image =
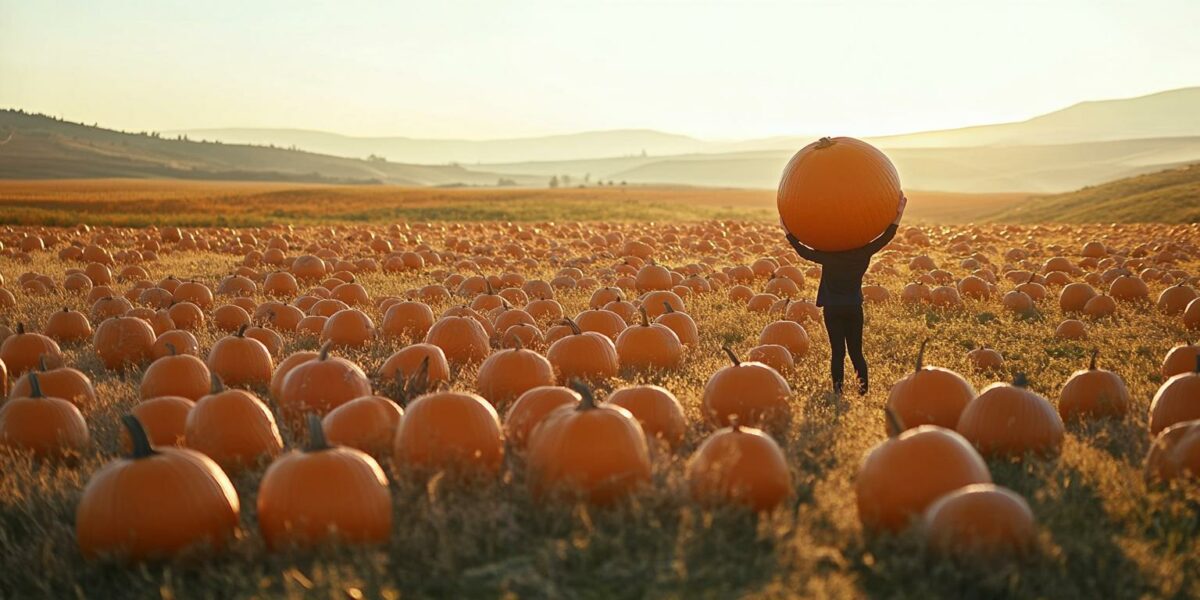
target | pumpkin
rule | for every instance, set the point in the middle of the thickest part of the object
(175, 341)
(164, 419)
(230, 318)
(176, 375)
(1093, 393)
(507, 374)
(24, 351)
(1191, 315)
(773, 355)
(409, 320)
(1177, 400)
(754, 393)
(1180, 359)
(1011, 420)
(682, 324)
(45, 426)
(1174, 453)
(656, 409)
(1128, 288)
(653, 277)
(123, 342)
(285, 366)
(838, 194)
(981, 519)
(1075, 296)
(64, 382)
(1100, 307)
(649, 346)
(155, 503)
(67, 326)
(929, 395)
(232, 427)
(1071, 329)
(787, 333)
(405, 363)
(531, 408)
(595, 453)
(462, 339)
(739, 465)
(320, 385)
(582, 355)
(348, 328)
(367, 423)
(1174, 300)
(240, 360)
(901, 476)
(452, 432)
(324, 494)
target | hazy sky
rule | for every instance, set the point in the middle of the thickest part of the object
(717, 69)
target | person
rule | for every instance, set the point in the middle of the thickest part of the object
(841, 300)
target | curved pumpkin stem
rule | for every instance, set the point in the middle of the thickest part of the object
(241, 332)
(41, 366)
(316, 435)
(517, 345)
(893, 419)
(645, 317)
(35, 387)
(733, 357)
(735, 424)
(1031, 276)
(1020, 380)
(1095, 354)
(667, 306)
(20, 328)
(824, 142)
(921, 356)
(65, 309)
(137, 433)
(588, 401)
(323, 353)
(569, 322)
(171, 348)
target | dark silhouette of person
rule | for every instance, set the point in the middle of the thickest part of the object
(841, 300)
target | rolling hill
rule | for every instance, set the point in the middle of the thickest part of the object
(40, 147)
(1169, 196)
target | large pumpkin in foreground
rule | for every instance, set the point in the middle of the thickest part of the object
(838, 194)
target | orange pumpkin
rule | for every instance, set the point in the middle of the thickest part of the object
(789, 334)
(507, 374)
(64, 382)
(232, 427)
(408, 360)
(348, 328)
(657, 410)
(409, 320)
(1175, 299)
(45, 426)
(929, 396)
(1011, 420)
(1075, 296)
(285, 366)
(367, 423)
(649, 346)
(462, 339)
(597, 453)
(531, 408)
(753, 393)
(739, 465)
(164, 418)
(985, 359)
(1176, 400)
(324, 494)
(176, 375)
(67, 326)
(1093, 393)
(452, 432)
(981, 519)
(1175, 453)
(582, 355)
(24, 351)
(900, 477)
(682, 324)
(1180, 359)
(240, 360)
(123, 342)
(155, 504)
(320, 385)
(838, 193)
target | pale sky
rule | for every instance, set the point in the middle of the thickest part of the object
(484, 69)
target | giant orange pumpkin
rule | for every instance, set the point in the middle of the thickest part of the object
(838, 194)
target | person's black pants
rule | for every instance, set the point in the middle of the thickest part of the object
(845, 327)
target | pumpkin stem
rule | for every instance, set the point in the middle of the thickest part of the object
(1021, 380)
(733, 357)
(216, 385)
(490, 290)
(569, 322)
(893, 420)
(645, 317)
(20, 328)
(735, 423)
(65, 309)
(137, 433)
(921, 355)
(667, 307)
(824, 142)
(589, 401)
(171, 348)
(1095, 354)
(1031, 276)
(35, 387)
(316, 435)
(323, 353)
(42, 362)
(241, 332)
(517, 345)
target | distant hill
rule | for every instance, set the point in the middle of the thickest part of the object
(40, 147)
(621, 142)
(1169, 196)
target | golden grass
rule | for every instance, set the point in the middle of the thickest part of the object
(1103, 533)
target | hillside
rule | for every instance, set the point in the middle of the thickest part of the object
(1170, 196)
(41, 147)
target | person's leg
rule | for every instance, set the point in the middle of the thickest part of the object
(854, 343)
(836, 328)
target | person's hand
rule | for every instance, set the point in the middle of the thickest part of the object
(900, 208)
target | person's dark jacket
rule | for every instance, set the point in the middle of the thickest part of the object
(842, 272)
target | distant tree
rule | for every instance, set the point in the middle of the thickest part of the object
(587, 177)
(376, 158)
(566, 180)
(554, 181)
(622, 183)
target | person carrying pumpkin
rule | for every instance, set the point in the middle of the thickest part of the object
(840, 297)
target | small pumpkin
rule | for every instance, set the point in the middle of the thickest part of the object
(232, 427)
(531, 408)
(64, 382)
(1093, 393)
(68, 326)
(24, 351)
(241, 361)
(176, 375)
(754, 393)
(929, 395)
(679, 322)
(507, 374)
(164, 418)
(1177, 400)
(45, 426)
(980, 519)
(657, 410)
(649, 346)
(739, 465)
(1175, 453)
(583, 355)
(462, 339)
(320, 385)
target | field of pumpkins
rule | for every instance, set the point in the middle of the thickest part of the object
(601, 409)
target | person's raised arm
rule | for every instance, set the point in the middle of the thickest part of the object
(878, 243)
(804, 251)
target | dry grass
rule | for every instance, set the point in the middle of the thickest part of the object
(1103, 533)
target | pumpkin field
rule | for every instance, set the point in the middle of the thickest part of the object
(467, 409)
